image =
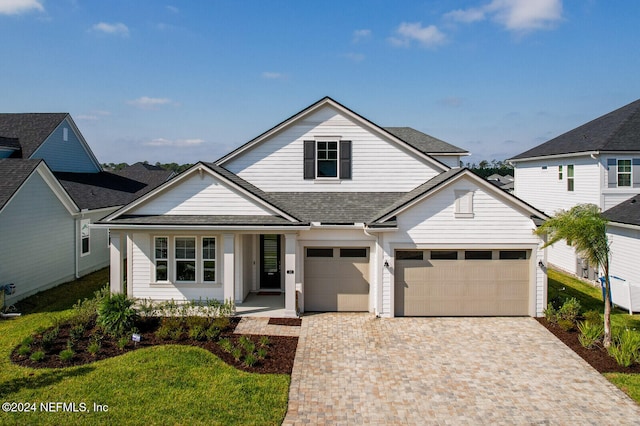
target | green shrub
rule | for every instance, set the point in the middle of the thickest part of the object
(590, 332)
(625, 347)
(222, 322)
(71, 344)
(116, 314)
(213, 333)
(261, 353)
(570, 310)
(76, 332)
(592, 316)
(122, 342)
(247, 344)
(236, 353)
(566, 324)
(226, 345)
(66, 355)
(49, 338)
(551, 314)
(163, 332)
(250, 360)
(264, 341)
(24, 350)
(27, 341)
(198, 332)
(95, 344)
(176, 333)
(192, 322)
(37, 356)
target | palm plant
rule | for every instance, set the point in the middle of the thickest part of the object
(584, 228)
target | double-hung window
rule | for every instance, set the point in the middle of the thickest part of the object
(327, 154)
(161, 258)
(209, 259)
(85, 237)
(624, 173)
(185, 251)
(327, 159)
(570, 183)
(560, 172)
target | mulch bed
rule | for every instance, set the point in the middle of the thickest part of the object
(597, 357)
(293, 322)
(279, 359)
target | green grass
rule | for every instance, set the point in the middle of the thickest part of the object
(590, 298)
(161, 385)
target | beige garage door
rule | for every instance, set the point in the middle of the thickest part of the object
(336, 279)
(462, 282)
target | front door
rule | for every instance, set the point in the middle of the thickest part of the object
(269, 261)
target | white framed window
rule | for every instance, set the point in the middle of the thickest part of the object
(560, 172)
(85, 237)
(624, 172)
(209, 259)
(161, 258)
(65, 134)
(327, 159)
(464, 203)
(185, 259)
(570, 178)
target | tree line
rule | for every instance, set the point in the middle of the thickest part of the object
(174, 167)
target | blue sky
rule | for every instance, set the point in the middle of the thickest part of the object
(184, 81)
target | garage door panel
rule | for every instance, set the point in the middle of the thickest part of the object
(462, 287)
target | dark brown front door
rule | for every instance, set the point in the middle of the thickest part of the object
(269, 261)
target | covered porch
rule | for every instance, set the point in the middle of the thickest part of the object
(262, 304)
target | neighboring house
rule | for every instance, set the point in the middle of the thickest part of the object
(623, 231)
(502, 182)
(340, 214)
(598, 163)
(51, 189)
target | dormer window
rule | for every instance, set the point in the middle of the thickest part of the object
(327, 159)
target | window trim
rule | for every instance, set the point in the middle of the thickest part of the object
(203, 260)
(463, 203)
(629, 173)
(318, 159)
(176, 259)
(570, 177)
(85, 236)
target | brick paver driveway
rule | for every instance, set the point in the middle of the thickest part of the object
(354, 368)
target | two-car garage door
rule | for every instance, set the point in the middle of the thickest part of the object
(462, 282)
(336, 279)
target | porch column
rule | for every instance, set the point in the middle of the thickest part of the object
(116, 263)
(228, 259)
(290, 275)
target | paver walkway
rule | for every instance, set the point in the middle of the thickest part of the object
(357, 369)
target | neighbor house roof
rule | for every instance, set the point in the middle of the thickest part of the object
(618, 130)
(423, 142)
(627, 212)
(31, 129)
(13, 172)
(12, 143)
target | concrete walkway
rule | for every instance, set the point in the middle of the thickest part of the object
(356, 369)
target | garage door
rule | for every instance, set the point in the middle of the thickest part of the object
(462, 282)
(336, 279)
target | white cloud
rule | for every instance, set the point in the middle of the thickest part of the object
(92, 116)
(117, 28)
(173, 9)
(146, 102)
(408, 32)
(16, 7)
(514, 15)
(268, 75)
(179, 143)
(361, 35)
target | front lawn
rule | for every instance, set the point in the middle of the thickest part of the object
(590, 298)
(171, 384)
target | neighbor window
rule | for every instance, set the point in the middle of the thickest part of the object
(464, 203)
(208, 259)
(85, 235)
(559, 172)
(624, 172)
(185, 259)
(327, 157)
(65, 134)
(161, 258)
(570, 178)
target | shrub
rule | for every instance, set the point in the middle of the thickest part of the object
(176, 333)
(201, 322)
(236, 353)
(592, 316)
(213, 333)
(116, 314)
(37, 356)
(122, 342)
(247, 344)
(226, 345)
(590, 332)
(551, 314)
(95, 344)
(570, 310)
(66, 355)
(49, 338)
(24, 350)
(222, 322)
(71, 343)
(198, 332)
(27, 341)
(566, 324)
(264, 341)
(261, 353)
(76, 332)
(625, 347)
(163, 332)
(250, 360)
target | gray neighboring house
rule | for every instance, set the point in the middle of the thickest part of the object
(52, 188)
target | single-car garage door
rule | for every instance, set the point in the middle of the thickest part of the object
(462, 282)
(336, 279)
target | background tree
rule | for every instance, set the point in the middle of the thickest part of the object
(584, 228)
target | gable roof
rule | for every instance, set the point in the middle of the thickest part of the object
(31, 129)
(327, 101)
(13, 173)
(627, 212)
(618, 130)
(424, 142)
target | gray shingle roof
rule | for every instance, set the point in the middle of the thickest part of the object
(423, 142)
(11, 143)
(13, 172)
(204, 220)
(31, 129)
(626, 212)
(618, 130)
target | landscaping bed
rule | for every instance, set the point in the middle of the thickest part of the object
(597, 357)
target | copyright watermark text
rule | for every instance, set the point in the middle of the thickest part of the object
(53, 407)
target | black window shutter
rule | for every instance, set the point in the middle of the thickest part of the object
(635, 172)
(309, 159)
(345, 159)
(612, 166)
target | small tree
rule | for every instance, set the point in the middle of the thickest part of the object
(584, 228)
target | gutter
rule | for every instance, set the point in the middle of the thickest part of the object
(552, 156)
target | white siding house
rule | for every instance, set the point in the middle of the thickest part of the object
(331, 209)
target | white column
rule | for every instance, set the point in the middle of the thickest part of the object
(290, 275)
(116, 264)
(228, 281)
